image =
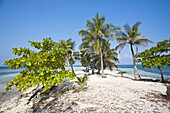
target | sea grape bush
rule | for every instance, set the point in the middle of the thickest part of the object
(46, 67)
(156, 56)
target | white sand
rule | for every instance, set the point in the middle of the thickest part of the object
(111, 94)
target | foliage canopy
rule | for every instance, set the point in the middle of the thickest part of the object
(44, 67)
(156, 56)
(95, 36)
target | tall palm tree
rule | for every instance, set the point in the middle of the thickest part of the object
(97, 31)
(68, 45)
(132, 37)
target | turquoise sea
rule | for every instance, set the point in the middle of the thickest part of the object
(7, 74)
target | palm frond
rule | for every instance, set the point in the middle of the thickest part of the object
(68, 41)
(122, 39)
(83, 33)
(82, 81)
(139, 37)
(90, 47)
(135, 26)
(143, 42)
(110, 64)
(90, 25)
(121, 45)
(127, 28)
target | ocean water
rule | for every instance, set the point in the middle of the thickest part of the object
(146, 72)
(7, 74)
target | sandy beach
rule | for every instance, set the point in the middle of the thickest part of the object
(101, 95)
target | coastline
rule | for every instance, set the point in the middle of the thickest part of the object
(111, 94)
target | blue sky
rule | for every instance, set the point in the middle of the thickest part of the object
(23, 20)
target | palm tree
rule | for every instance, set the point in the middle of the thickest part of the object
(109, 56)
(132, 37)
(68, 45)
(88, 54)
(95, 35)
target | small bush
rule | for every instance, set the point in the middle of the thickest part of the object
(82, 81)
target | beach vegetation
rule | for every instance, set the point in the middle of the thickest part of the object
(121, 72)
(88, 55)
(157, 56)
(68, 45)
(110, 57)
(133, 38)
(82, 81)
(45, 66)
(95, 35)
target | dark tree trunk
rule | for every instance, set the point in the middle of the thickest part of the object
(93, 68)
(87, 69)
(136, 74)
(161, 73)
(98, 72)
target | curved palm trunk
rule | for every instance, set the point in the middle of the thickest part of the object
(101, 55)
(161, 73)
(72, 69)
(68, 64)
(136, 74)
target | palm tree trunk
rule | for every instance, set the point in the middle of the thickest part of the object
(161, 73)
(68, 64)
(87, 69)
(136, 74)
(93, 68)
(72, 69)
(98, 72)
(101, 55)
